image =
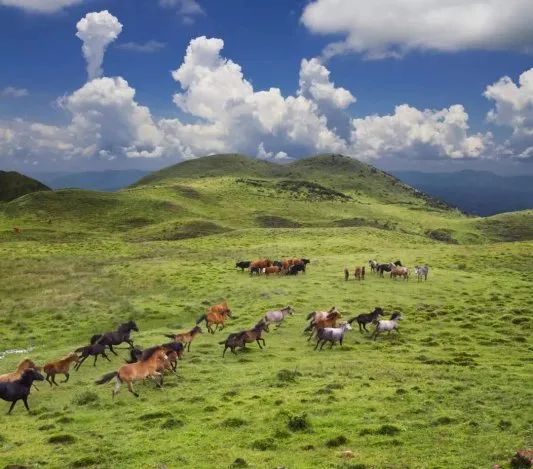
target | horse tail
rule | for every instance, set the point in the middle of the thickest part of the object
(81, 349)
(352, 320)
(222, 343)
(106, 378)
(310, 315)
(201, 318)
(95, 338)
(310, 326)
(171, 336)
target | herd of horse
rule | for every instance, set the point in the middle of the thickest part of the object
(290, 266)
(324, 327)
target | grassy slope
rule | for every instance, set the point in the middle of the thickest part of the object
(453, 387)
(13, 185)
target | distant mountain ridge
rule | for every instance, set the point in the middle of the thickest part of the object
(14, 185)
(477, 192)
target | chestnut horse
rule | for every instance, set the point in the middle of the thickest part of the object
(152, 360)
(329, 321)
(60, 367)
(217, 315)
(186, 338)
(259, 265)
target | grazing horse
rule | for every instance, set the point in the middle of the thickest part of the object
(61, 366)
(152, 360)
(332, 335)
(19, 389)
(364, 319)
(92, 350)
(278, 316)
(373, 265)
(240, 339)
(21, 367)
(387, 325)
(397, 271)
(243, 265)
(329, 321)
(422, 272)
(360, 273)
(272, 270)
(259, 265)
(186, 338)
(215, 315)
(122, 334)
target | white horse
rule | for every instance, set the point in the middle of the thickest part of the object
(278, 316)
(387, 325)
(422, 272)
(332, 335)
(373, 265)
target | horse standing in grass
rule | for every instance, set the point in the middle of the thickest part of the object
(364, 319)
(272, 270)
(243, 265)
(152, 360)
(373, 265)
(387, 325)
(422, 272)
(278, 316)
(122, 334)
(398, 271)
(360, 273)
(186, 337)
(61, 366)
(332, 335)
(19, 389)
(346, 274)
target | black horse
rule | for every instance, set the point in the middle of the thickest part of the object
(14, 391)
(364, 319)
(294, 269)
(381, 268)
(242, 265)
(122, 334)
(92, 350)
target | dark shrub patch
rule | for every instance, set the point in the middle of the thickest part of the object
(170, 424)
(44, 428)
(288, 376)
(155, 415)
(272, 221)
(65, 420)
(388, 430)
(234, 422)
(210, 408)
(87, 461)
(299, 423)
(445, 420)
(239, 462)
(441, 235)
(504, 425)
(61, 439)
(337, 441)
(85, 397)
(264, 444)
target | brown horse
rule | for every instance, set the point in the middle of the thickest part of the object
(272, 270)
(186, 337)
(23, 365)
(17, 230)
(152, 360)
(398, 271)
(329, 321)
(217, 315)
(360, 273)
(60, 367)
(260, 264)
(240, 339)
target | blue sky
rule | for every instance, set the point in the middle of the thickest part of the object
(42, 62)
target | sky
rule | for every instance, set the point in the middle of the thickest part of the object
(434, 85)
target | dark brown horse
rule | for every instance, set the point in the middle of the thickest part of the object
(121, 335)
(364, 319)
(92, 350)
(19, 389)
(240, 339)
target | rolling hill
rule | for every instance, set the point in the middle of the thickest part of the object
(13, 185)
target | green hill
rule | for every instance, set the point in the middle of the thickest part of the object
(13, 185)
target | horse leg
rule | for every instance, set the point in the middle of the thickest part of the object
(189, 346)
(116, 389)
(67, 376)
(25, 400)
(48, 379)
(258, 343)
(318, 342)
(95, 358)
(111, 350)
(77, 367)
(264, 343)
(224, 352)
(322, 345)
(54, 380)
(233, 350)
(130, 389)
(105, 356)
(11, 407)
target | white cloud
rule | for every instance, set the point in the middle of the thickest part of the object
(13, 92)
(514, 109)
(143, 47)
(97, 31)
(40, 6)
(391, 28)
(412, 133)
(187, 9)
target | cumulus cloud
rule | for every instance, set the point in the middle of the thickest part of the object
(40, 6)
(143, 47)
(187, 9)
(97, 31)
(412, 133)
(514, 109)
(13, 92)
(391, 28)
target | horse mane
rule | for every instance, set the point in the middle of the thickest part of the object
(149, 352)
(26, 360)
(126, 325)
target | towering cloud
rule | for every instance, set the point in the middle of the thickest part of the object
(97, 31)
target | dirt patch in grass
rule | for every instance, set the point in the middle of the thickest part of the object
(61, 439)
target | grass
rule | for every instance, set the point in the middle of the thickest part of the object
(453, 389)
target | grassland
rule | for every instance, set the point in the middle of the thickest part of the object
(453, 389)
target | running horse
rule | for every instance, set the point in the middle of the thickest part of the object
(122, 334)
(216, 315)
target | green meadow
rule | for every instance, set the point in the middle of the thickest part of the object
(452, 389)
